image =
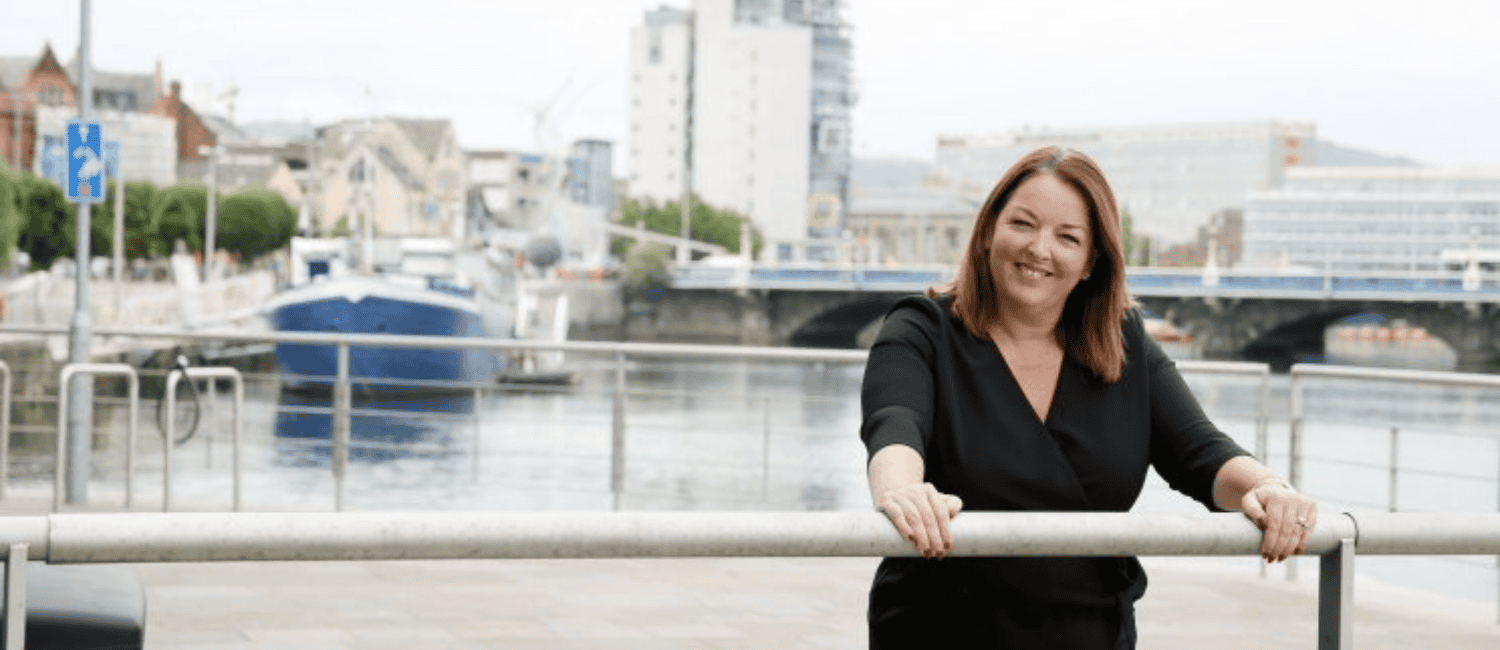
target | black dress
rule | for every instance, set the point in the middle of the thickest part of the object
(948, 394)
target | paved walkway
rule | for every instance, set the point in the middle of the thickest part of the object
(777, 603)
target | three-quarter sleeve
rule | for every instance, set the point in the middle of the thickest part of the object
(1186, 448)
(897, 394)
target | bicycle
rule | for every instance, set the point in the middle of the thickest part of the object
(188, 411)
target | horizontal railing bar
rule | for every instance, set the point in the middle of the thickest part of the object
(478, 343)
(203, 537)
(1436, 473)
(1223, 367)
(1398, 374)
(1413, 533)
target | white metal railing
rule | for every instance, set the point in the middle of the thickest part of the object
(235, 537)
(1301, 372)
(58, 489)
(170, 434)
(4, 425)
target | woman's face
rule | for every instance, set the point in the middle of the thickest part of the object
(1043, 244)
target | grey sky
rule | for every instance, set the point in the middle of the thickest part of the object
(1414, 78)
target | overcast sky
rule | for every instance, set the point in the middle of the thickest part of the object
(1415, 78)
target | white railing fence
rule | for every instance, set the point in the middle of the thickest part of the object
(235, 537)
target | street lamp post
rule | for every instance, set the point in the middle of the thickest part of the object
(210, 246)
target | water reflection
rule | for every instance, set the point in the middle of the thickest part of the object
(383, 426)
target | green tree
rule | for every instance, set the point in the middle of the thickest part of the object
(341, 227)
(142, 237)
(645, 266)
(12, 214)
(1137, 247)
(179, 212)
(709, 225)
(254, 222)
(49, 221)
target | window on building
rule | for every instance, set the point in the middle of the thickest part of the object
(653, 53)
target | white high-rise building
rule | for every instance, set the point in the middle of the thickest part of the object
(1375, 219)
(661, 59)
(764, 129)
(1170, 177)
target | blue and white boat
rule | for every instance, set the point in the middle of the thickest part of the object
(417, 293)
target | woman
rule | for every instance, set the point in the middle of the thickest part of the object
(1027, 384)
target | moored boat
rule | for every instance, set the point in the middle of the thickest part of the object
(413, 296)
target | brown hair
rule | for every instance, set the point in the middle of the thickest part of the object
(1092, 316)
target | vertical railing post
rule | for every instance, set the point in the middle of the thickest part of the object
(15, 597)
(1336, 598)
(1294, 441)
(131, 436)
(212, 421)
(617, 433)
(171, 440)
(341, 423)
(765, 452)
(478, 399)
(238, 431)
(1294, 452)
(4, 426)
(1395, 463)
(1262, 429)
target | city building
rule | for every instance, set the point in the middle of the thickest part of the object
(1374, 220)
(750, 100)
(661, 57)
(1171, 178)
(38, 96)
(591, 173)
(408, 173)
(506, 192)
(896, 216)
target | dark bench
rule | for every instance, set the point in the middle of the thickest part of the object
(82, 607)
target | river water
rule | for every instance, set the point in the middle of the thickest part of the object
(717, 435)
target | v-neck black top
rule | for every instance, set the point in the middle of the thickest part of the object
(931, 385)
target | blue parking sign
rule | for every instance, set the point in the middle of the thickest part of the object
(85, 182)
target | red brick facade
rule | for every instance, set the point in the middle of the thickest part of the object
(47, 84)
(14, 107)
(191, 132)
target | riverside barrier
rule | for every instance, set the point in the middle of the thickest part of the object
(237, 537)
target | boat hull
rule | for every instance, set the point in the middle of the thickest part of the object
(306, 366)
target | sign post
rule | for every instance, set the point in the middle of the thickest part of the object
(85, 185)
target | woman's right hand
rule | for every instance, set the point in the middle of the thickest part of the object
(921, 514)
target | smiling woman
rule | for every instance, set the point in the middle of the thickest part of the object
(1027, 384)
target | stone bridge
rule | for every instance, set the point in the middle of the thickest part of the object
(1274, 330)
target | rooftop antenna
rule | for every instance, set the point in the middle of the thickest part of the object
(228, 97)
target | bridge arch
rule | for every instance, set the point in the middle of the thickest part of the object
(841, 325)
(1282, 331)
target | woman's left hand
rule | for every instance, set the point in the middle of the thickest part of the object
(1285, 516)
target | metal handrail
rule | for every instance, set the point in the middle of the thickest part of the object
(1262, 415)
(62, 423)
(477, 343)
(216, 372)
(313, 536)
(226, 537)
(1299, 372)
(4, 426)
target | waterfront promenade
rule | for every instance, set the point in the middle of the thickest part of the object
(722, 603)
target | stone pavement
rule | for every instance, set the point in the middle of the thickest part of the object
(727, 603)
